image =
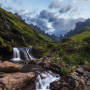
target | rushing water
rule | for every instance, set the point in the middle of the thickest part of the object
(44, 80)
(22, 54)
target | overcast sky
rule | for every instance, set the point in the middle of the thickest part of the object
(53, 16)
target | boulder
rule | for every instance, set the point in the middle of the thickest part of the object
(80, 70)
(86, 75)
(31, 68)
(17, 81)
(47, 63)
(66, 83)
(70, 82)
(9, 67)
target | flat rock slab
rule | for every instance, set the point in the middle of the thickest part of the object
(17, 81)
(31, 68)
(9, 67)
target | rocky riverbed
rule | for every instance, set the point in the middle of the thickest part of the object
(23, 76)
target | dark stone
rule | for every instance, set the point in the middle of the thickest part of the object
(32, 68)
(80, 70)
(66, 83)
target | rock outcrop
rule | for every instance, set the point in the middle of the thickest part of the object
(47, 63)
(16, 81)
(78, 80)
(11, 77)
(9, 67)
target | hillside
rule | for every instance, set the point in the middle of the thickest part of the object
(75, 48)
(80, 37)
(81, 31)
(14, 32)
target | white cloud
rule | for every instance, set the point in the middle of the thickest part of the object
(51, 22)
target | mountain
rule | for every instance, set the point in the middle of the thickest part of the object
(80, 27)
(52, 37)
(14, 32)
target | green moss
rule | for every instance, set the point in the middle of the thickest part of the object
(2, 43)
(64, 71)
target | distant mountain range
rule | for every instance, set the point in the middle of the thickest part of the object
(53, 37)
(80, 27)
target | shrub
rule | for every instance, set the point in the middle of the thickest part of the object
(64, 71)
(2, 44)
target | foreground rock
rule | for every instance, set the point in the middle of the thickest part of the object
(18, 81)
(9, 67)
(66, 83)
(78, 80)
(46, 63)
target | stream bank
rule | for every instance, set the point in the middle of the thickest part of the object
(25, 77)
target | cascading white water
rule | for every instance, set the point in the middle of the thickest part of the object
(18, 53)
(26, 52)
(44, 80)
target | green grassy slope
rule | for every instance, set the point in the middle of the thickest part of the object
(81, 36)
(76, 50)
(14, 32)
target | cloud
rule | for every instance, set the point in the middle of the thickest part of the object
(20, 2)
(61, 6)
(49, 21)
(55, 4)
(7, 3)
(65, 9)
(44, 24)
(52, 24)
(44, 14)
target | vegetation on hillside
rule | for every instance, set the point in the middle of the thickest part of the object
(14, 32)
(76, 50)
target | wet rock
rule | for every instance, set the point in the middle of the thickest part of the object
(80, 70)
(71, 82)
(30, 86)
(87, 75)
(9, 67)
(58, 85)
(17, 81)
(46, 63)
(66, 83)
(32, 68)
(88, 82)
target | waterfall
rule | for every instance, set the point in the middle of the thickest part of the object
(22, 54)
(44, 80)
(16, 54)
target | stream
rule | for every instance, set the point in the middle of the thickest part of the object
(44, 78)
